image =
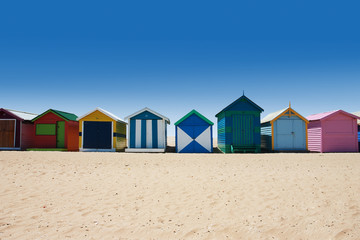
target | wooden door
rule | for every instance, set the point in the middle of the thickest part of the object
(299, 134)
(284, 135)
(290, 134)
(7, 133)
(243, 130)
(60, 134)
(97, 135)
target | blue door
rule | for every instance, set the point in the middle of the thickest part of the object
(299, 133)
(290, 134)
(97, 135)
(285, 138)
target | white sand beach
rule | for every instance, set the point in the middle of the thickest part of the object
(71, 195)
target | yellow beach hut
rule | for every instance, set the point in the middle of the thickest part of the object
(102, 131)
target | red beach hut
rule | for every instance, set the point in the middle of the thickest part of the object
(56, 130)
(16, 129)
(334, 131)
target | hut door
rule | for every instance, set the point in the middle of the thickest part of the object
(243, 130)
(97, 135)
(60, 134)
(290, 135)
(285, 136)
(7, 133)
(299, 134)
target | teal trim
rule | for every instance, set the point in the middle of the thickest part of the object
(230, 113)
(225, 148)
(243, 98)
(197, 114)
(228, 129)
(220, 116)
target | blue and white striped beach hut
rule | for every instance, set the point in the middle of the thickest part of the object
(147, 131)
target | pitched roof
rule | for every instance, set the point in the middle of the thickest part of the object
(197, 114)
(65, 115)
(321, 116)
(275, 115)
(22, 115)
(110, 115)
(149, 110)
(272, 116)
(240, 98)
(357, 114)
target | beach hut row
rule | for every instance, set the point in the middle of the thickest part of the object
(240, 129)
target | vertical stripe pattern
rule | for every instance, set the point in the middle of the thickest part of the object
(149, 133)
(161, 134)
(132, 133)
(138, 134)
(155, 133)
(243, 130)
(143, 133)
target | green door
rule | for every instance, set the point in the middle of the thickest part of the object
(243, 130)
(60, 134)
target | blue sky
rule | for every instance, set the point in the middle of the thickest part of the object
(175, 56)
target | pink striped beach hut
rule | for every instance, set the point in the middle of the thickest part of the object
(334, 131)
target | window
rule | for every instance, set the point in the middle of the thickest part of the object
(45, 129)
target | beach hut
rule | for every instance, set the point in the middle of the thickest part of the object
(239, 127)
(56, 130)
(335, 131)
(100, 130)
(284, 130)
(16, 129)
(147, 131)
(193, 134)
(358, 122)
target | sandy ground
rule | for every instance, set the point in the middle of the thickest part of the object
(49, 195)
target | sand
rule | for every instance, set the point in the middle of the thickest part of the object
(60, 195)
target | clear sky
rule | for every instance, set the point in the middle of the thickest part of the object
(175, 56)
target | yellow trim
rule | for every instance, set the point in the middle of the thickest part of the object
(272, 136)
(97, 116)
(306, 132)
(284, 113)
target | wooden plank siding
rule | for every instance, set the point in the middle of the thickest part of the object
(147, 131)
(239, 127)
(71, 131)
(286, 129)
(222, 135)
(118, 134)
(266, 135)
(315, 136)
(339, 132)
(23, 128)
(7, 130)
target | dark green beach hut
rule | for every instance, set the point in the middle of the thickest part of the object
(239, 127)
